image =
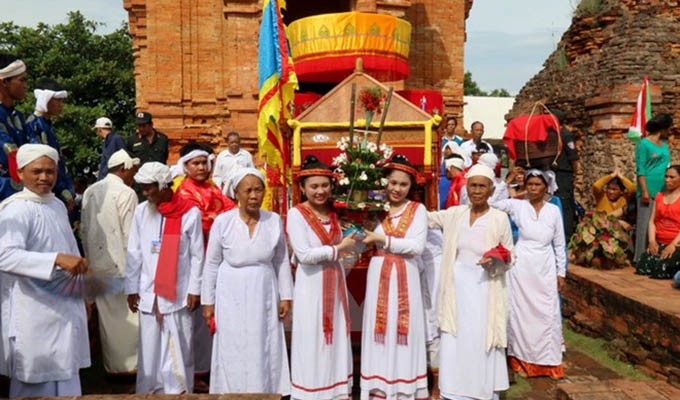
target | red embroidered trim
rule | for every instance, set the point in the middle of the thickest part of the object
(349, 378)
(378, 377)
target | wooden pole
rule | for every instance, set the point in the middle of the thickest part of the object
(384, 116)
(352, 101)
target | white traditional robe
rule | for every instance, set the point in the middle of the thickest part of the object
(44, 336)
(108, 208)
(245, 278)
(393, 369)
(225, 166)
(471, 368)
(319, 370)
(166, 359)
(535, 323)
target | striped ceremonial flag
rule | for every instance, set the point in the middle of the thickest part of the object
(277, 84)
(643, 113)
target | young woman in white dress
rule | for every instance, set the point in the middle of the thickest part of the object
(248, 287)
(321, 350)
(535, 340)
(393, 355)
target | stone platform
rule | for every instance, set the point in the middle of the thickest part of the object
(617, 389)
(639, 316)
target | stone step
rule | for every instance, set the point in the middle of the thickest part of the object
(617, 389)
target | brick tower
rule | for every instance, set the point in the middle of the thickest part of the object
(196, 60)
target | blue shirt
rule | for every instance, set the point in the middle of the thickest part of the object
(13, 133)
(43, 132)
(112, 144)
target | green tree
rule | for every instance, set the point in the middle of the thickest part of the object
(97, 71)
(471, 88)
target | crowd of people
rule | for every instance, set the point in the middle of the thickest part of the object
(206, 271)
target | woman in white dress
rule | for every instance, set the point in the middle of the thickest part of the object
(393, 356)
(535, 340)
(321, 353)
(247, 288)
(472, 294)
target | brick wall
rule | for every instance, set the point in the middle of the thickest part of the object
(595, 75)
(196, 60)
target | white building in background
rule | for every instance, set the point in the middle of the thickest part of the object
(490, 111)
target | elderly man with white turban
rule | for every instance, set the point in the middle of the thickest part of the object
(163, 282)
(44, 334)
(14, 131)
(108, 207)
(500, 191)
(472, 295)
(247, 289)
(49, 102)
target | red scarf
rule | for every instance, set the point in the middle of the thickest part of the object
(165, 281)
(209, 200)
(453, 197)
(399, 263)
(333, 276)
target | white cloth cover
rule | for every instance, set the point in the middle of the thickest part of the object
(122, 157)
(193, 154)
(154, 172)
(454, 162)
(391, 369)
(107, 212)
(238, 176)
(481, 170)
(43, 96)
(535, 321)
(319, 370)
(245, 277)
(31, 152)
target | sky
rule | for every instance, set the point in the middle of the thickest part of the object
(507, 40)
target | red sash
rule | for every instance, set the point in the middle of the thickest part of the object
(165, 281)
(209, 200)
(393, 260)
(333, 275)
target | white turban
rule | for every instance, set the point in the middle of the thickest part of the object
(193, 154)
(43, 96)
(154, 172)
(456, 162)
(481, 170)
(122, 157)
(241, 173)
(13, 69)
(488, 159)
(31, 152)
(547, 176)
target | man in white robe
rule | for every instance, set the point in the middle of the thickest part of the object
(163, 282)
(44, 332)
(108, 207)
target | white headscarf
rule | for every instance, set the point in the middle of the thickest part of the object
(193, 154)
(456, 162)
(488, 159)
(31, 152)
(454, 147)
(43, 96)
(154, 172)
(15, 68)
(548, 177)
(122, 157)
(481, 170)
(238, 176)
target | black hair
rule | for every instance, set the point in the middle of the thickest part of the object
(49, 84)
(676, 167)
(475, 123)
(191, 146)
(481, 148)
(618, 182)
(6, 59)
(400, 159)
(559, 114)
(233, 133)
(454, 155)
(451, 118)
(660, 122)
(311, 162)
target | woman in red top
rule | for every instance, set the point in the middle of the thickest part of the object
(662, 259)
